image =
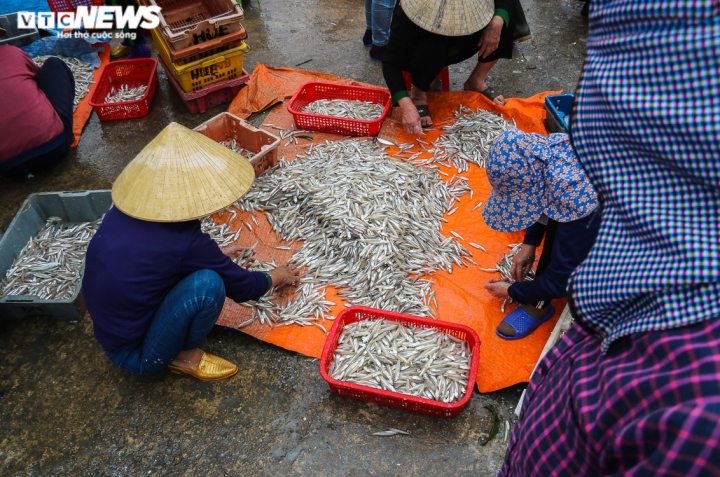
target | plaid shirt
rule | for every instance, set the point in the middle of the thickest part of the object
(636, 390)
(647, 131)
(651, 407)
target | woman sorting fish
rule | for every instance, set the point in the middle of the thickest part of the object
(538, 185)
(37, 105)
(154, 283)
(428, 35)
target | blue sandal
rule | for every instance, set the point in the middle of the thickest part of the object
(523, 323)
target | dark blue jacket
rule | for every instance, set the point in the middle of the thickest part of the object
(132, 264)
(573, 241)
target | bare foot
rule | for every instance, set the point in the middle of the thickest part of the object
(188, 359)
(419, 98)
(482, 88)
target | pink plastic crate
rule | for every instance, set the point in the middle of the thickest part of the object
(353, 314)
(259, 142)
(210, 96)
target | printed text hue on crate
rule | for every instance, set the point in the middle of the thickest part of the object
(200, 44)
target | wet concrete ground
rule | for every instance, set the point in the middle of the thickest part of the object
(64, 410)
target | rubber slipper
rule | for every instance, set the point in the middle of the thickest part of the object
(490, 93)
(424, 112)
(523, 323)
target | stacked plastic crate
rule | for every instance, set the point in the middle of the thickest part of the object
(201, 45)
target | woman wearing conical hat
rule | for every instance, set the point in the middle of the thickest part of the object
(154, 283)
(428, 35)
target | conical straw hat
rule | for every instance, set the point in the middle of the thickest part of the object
(181, 175)
(450, 17)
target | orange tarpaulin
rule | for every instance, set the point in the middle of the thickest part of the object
(460, 295)
(84, 110)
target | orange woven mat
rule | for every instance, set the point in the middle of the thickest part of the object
(84, 110)
(460, 295)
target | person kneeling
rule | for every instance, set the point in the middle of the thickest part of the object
(539, 185)
(154, 283)
(37, 106)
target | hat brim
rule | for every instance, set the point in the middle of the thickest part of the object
(511, 212)
(569, 195)
(450, 17)
(181, 175)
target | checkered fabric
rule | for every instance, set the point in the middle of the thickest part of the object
(646, 128)
(635, 391)
(649, 408)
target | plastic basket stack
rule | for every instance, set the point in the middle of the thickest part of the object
(201, 45)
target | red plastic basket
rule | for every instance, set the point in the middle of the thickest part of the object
(71, 5)
(389, 398)
(209, 96)
(133, 73)
(315, 90)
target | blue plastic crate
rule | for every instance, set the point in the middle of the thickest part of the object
(558, 107)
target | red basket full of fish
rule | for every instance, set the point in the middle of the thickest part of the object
(125, 89)
(339, 108)
(401, 361)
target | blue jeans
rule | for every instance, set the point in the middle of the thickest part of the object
(378, 15)
(185, 316)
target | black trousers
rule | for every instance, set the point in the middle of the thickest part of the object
(546, 255)
(55, 80)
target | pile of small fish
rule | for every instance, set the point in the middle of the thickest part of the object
(342, 108)
(467, 140)
(220, 233)
(504, 267)
(231, 143)
(385, 354)
(292, 134)
(369, 224)
(305, 308)
(81, 71)
(125, 93)
(50, 266)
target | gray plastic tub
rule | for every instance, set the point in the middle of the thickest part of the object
(72, 207)
(16, 36)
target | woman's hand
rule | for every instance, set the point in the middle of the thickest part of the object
(491, 36)
(522, 262)
(234, 251)
(410, 116)
(284, 275)
(498, 288)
